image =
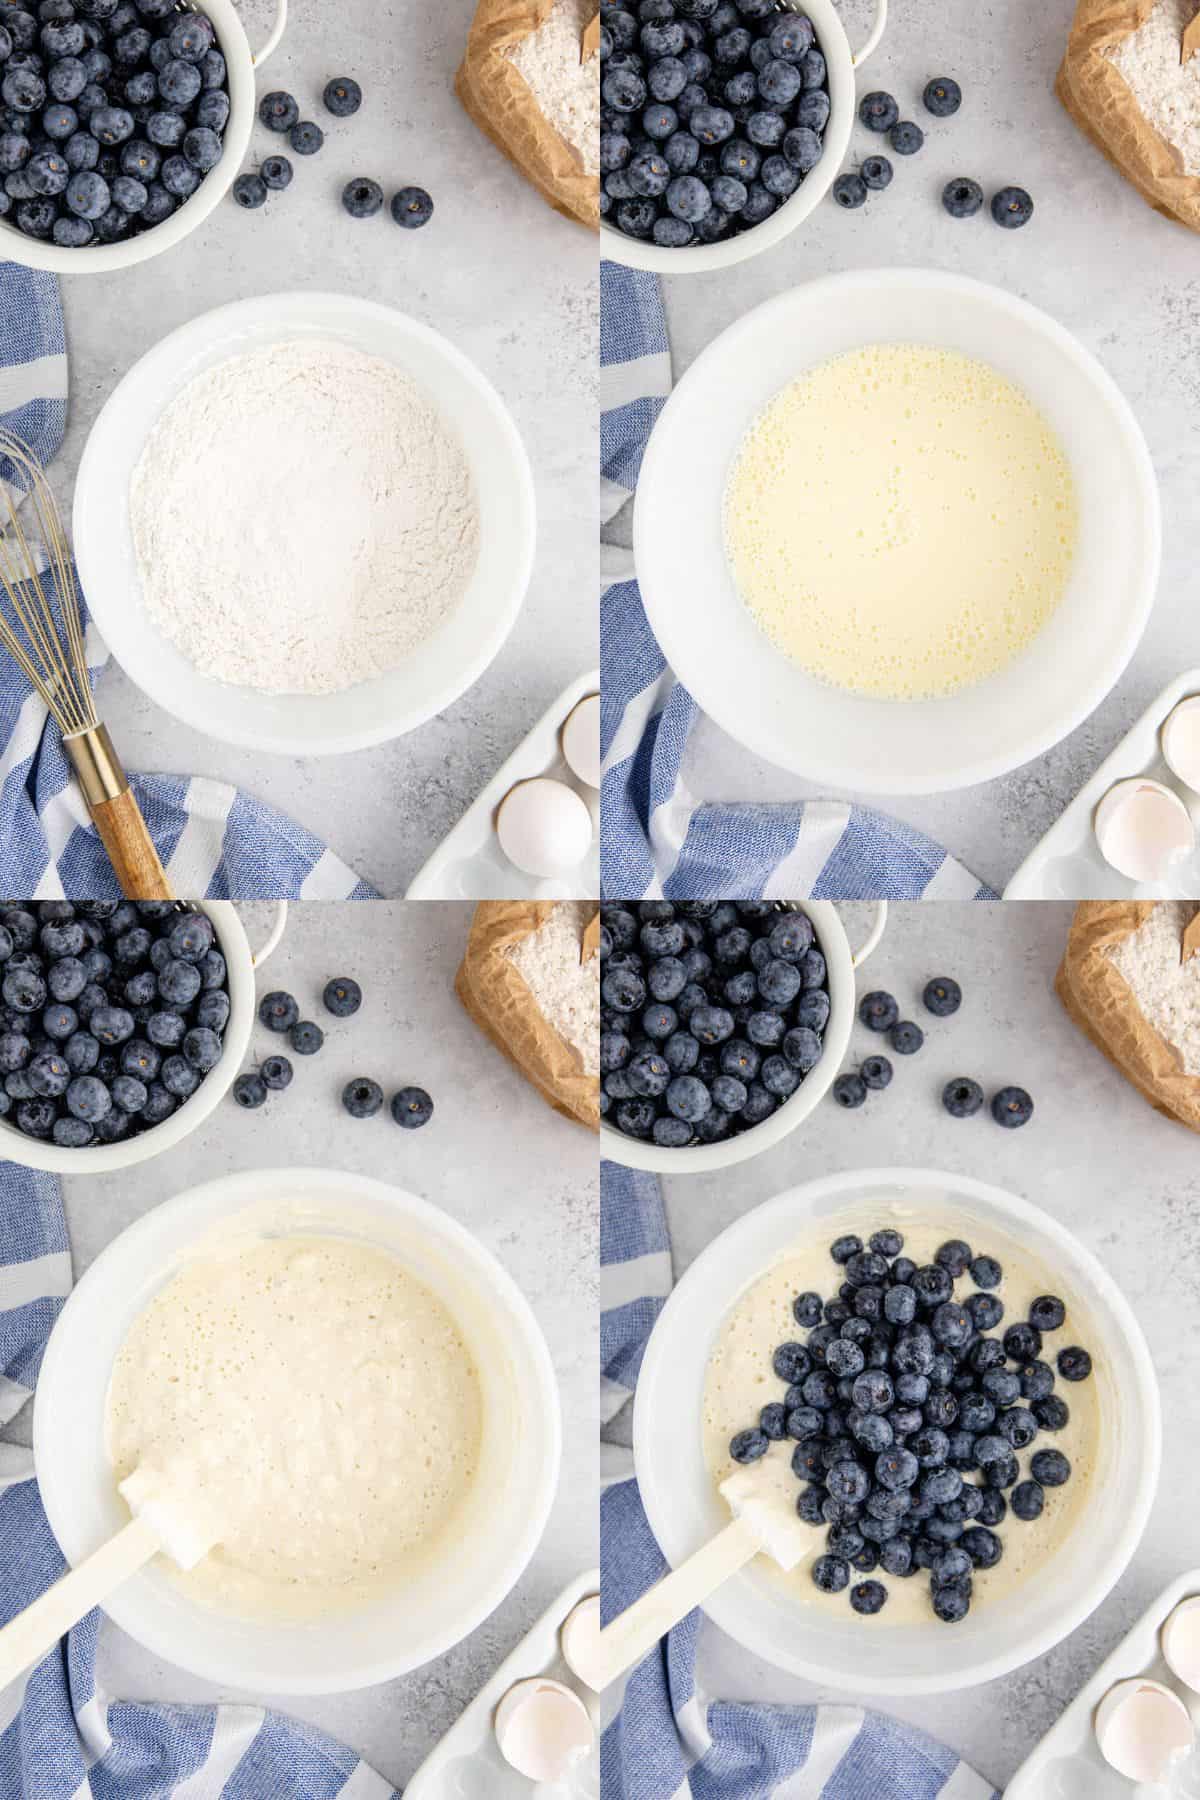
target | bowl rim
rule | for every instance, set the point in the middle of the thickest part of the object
(99, 1159)
(795, 1201)
(286, 308)
(807, 761)
(99, 259)
(209, 1202)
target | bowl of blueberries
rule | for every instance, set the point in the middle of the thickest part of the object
(122, 1025)
(722, 1024)
(723, 123)
(122, 124)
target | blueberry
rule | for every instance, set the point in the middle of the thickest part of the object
(876, 1072)
(362, 1098)
(623, 90)
(688, 1098)
(250, 191)
(748, 1446)
(362, 197)
(411, 1108)
(277, 110)
(278, 1011)
(812, 109)
(14, 151)
(82, 1052)
(850, 1090)
(47, 173)
(276, 1071)
(710, 125)
(36, 1118)
(202, 148)
(342, 96)
(1047, 1313)
(1074, 1364)
(986, 1311)
(276, 171)
(179, 1077)
(906, 138)
(178, 983)
(88, 1098)
(779, 1077)
(131, 196)
(166, 128)
(962, 1097)
(711, 1024)
(649, 1075)
(906, 1038)
(1012, 207)
(765, 1029)
(802, 1047)
(1012, 1107)
(831, 1574)
(23, 90)
(636, 218)
(165, 1028)
(779, 177)
(667, 78)
(306, 139)
(1028, 1500)
(876, 172)
(766, 128)
(212, 109)
(942, 96)
(212, 71)
(1050, 1468)
(179, 177)
(790, 38)
(202, 1048)
(49, 1074)
(878, 111)
(140, 159)
(129, 1093)
(138, 1058)
(306, 1038)
(878, 1011)
(249, 1090)
(648, 177)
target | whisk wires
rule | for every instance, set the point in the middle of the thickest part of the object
(36, 566)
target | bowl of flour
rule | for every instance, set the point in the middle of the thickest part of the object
(304, 523)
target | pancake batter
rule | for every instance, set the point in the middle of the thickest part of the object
(740, 1381)
(901, 521)
(318, 1403)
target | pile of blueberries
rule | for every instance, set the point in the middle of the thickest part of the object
(411, 1107)
(362, 198)
(712, 1013)
(907, 1418)
(113, 113)
(113, 1013)
(712, 113)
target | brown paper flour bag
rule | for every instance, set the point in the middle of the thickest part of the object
(1104, 1005)
(504, 106)
(503, 1004)
(1105, 107)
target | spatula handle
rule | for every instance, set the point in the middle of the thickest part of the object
(116, 815)
(33, 1633)
(633, 1633)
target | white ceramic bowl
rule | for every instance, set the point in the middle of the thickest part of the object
(767, 702)
(841, 963)
(241, 63)
(684, 1508)
(503, 1518)
(98, 1159)
(437, 671)
(841, 63)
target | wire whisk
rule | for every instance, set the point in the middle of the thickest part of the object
(41, 627)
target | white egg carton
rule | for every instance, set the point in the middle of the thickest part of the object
(1067, 1764)
(1066, 864)
(467, 1764)
(469, 864)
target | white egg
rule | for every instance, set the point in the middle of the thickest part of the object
(544, 827)
(581, 740)
(1181, 1643)
(1143, 828)
(1143, 1729)
(1181, 741)
(580, 1639)
(542, 1728)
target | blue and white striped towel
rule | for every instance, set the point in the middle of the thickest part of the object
(658, 838)
(214, 841)
(61, 1737)
(667, 1741)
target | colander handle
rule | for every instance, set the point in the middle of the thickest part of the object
(874, 35)
(273, 936)
(277, 29)
(871, 942)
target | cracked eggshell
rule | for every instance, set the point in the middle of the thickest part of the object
(581, 740)
(1180, 739)
(544, 827)
(542, 1727)
(1143, 1729)
(580, 1640)
(1181, 1643)
(1142, 828)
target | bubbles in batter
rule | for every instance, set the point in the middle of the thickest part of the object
(321, 1403)
(901, 521)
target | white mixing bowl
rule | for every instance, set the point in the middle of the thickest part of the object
(841, 963)
(97, 1159)
(438, 670)
(503, 1517)
(841, 63)
(766, 701)
(241, 63)
(842, 1651)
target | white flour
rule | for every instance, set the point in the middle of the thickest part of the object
(566, 90)
(1166, 990)
(1166, 90)
(567, 991)
(303, 518)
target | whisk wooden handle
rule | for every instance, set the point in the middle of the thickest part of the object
(116, 815)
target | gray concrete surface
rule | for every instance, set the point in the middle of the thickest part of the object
(495, 1156)
(1125, 280)
(505, 278)
(1124, 1179)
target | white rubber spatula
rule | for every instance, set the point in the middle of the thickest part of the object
(762, 1499)
(155, 1526)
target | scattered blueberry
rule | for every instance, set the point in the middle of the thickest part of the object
(250, 191)
(878, 111)
(276, 1072)
(942, 996)
(306, 1038)
(962, 197)
(1074, 1364)
(906, 138)
(306, 138)
(876, 1071)
(906, 1038)
(1012, 207)
(362, 197)
(342, 96)
(278, 111)
(850, 1090)
(362, 1098)
(250, 1090)
(876, 172)
(878, 1011)
(276, 172)
(962, 1097)
(412, 1108)
(1012, 1107)
(942, 96)
(342, 996)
